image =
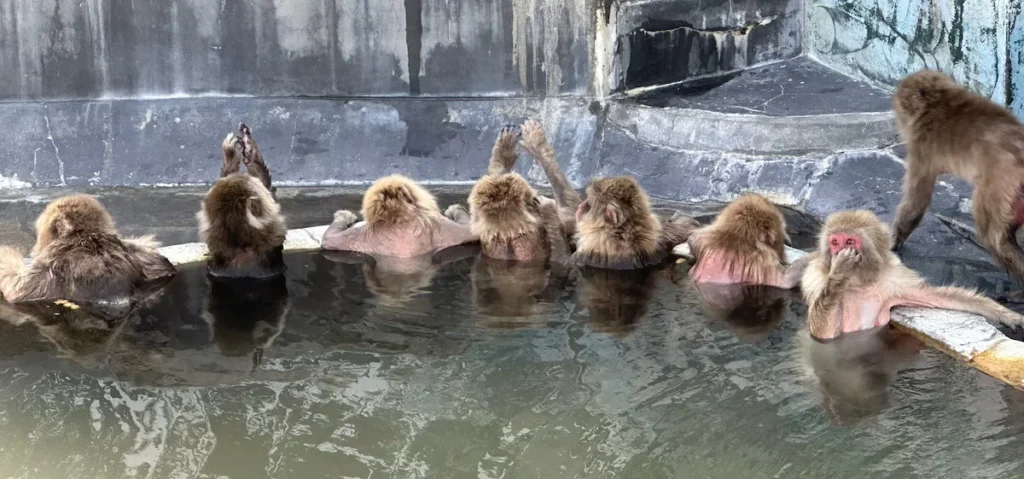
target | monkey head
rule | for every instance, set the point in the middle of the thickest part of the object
(752, 219)
(503, 207)
(69, 215)
(859, 230)
(615, 203)
(395, 199)
(920, 92)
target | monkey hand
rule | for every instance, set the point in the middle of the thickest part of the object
(457, 213)
(534, 139)
(509, 136)
(345, 218)
(845, 262)
(681, 219)
(230, 143)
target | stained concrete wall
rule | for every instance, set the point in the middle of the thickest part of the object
(89, 49)
(979, 42)
(666, 41)
(52, 49)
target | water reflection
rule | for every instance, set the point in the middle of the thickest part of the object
(594, 375)
(617, 299)
(750, 311)
(854, 372)
(245, 315)
(516, 294)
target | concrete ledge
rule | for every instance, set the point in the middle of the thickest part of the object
(965, 336)
(304, 239)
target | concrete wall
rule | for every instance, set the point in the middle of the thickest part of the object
(665, 41)
(89, 49)
(977, 41)
(52, 49)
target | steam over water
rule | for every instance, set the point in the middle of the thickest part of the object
(483, 370)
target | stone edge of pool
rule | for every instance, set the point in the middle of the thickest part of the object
(964, 336)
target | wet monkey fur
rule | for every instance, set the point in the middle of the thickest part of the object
(952, 130)
(78, 256)
(854, 280)
(617, 229)
(402, 220)
(535, 142)
(240, 220)
(746, 244)
(511, 219)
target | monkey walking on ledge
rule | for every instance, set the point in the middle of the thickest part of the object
(951, 130)
(854, 280)
(240, 220)
(78, 256)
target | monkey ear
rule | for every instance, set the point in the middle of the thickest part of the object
(612, 213)
(255, 206)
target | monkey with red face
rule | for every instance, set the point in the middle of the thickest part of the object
(854, 280)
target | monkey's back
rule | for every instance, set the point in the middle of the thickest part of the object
(91, 266)
(241, 241)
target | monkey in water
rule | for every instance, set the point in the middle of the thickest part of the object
(952, 130)
(512, 221)
(78, 256)
(617, 229)
(854, 279)
(402, 220)
(746, 244)
(240, 220)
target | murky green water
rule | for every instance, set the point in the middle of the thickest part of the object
(362, 372)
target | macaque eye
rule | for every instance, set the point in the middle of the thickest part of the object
(849, 242)
(835, 242)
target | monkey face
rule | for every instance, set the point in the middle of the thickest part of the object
(841, 240)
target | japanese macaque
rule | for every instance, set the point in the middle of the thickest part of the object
(245, 315)
(853, 374)
(402, 220)
(240, 220)
(511, 219)
(854, 280)
(618, 230)
(951, 130)
(78, 256)
(535, 142)
(746, 244)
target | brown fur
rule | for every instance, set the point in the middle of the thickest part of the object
(402, 219)
(78, 256)
(535, 142)
(745, 245)
(511, 219)
(240, 221)
(854, 290)
(619, 230)
(951, 130)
